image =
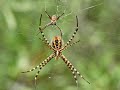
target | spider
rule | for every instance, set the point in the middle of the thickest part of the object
(53, 19)
(57, 48)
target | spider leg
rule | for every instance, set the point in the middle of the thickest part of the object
(45, 26)
(42, 65)
(36, 66)
(32, 69)
(44, 38)
(59, 16)
(40, 24)
(75, 77)
(48, 15)
(46, 43)
(72, 35)
(59, 29)
(71, 67)
(71, 44)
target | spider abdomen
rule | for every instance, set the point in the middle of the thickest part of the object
(57, 43)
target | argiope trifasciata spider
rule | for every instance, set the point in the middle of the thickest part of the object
(57, 52)
(53, 19)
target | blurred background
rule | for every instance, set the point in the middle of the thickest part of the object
(96, 56)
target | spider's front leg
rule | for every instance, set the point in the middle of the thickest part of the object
(44, 38)
(68, 43)
(60, 16)
(72, 44)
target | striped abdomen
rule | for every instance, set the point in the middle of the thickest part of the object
(57, 43)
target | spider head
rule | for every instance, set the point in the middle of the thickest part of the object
(57, 44)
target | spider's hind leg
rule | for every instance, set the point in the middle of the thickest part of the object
(43, 64)
(71, 67)
(75, 77)
(32, 69)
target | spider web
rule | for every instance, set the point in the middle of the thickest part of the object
(87, 34)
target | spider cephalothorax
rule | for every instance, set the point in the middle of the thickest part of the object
(53, 21)
(57, 48)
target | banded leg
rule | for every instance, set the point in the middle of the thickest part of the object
(46, 44)
(36, 66)
(71, 67)
(72, 35)
(45, 25)
(32, 69)
(75, 77)
(46, 41)
(43, 64)
(40, 29)
(71, 44)
(44, 38)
